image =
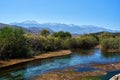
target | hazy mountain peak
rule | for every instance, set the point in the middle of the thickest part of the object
(30, 22)
(62, 26)
(26, 22)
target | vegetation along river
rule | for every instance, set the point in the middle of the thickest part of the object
(78, 57)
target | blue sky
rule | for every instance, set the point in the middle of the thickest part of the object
(103, 13)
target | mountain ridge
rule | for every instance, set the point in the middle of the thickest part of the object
(72, 28)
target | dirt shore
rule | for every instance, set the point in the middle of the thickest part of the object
(68, 75)
(41, 56)
(108, 67)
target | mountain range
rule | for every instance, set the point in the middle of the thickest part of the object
(35, 27)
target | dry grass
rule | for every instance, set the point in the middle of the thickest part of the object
(68, 75)
(108, 67)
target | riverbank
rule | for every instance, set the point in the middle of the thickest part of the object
(108, 67)
(71, 74)
(68, 75)
(12, 62)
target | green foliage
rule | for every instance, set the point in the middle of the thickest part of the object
(51, 43)
(12, 43)
(34, 43)
(111, 43)
(42, 44)
(62, 34)
(44, 32)
(105, 35)
(63, 40)
(84, 42)
(66, 43)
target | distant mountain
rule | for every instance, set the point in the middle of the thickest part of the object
(34, 30)
(32, 26)
(2, 25)
(74, 29)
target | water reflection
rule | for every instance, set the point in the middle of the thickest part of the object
(111, 55)
(82, 52)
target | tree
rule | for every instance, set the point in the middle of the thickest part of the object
(67, 34)
(12, 43)
(105, 35)
(44, 32)
(62, 34)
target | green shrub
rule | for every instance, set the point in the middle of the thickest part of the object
(105, 35)
(110, 43)
(12, 43)
(84, 42)
(44, 32)
(62, 34)
(42, 44)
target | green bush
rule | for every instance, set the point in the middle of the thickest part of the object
(89, 41)
(44, 32)
(12, 43)
(105, 35)
(62, 34)
(66, 43)
(35, 43)
(110, 43)
(84, 42)
(42, 44)
(15, 44)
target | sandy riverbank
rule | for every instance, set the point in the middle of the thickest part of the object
(41, 56)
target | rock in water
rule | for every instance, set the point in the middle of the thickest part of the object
(116, 77)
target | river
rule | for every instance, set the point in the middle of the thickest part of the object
(84, 57)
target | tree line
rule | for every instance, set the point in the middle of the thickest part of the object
(15, 43)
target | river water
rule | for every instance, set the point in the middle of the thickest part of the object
(35, 68)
